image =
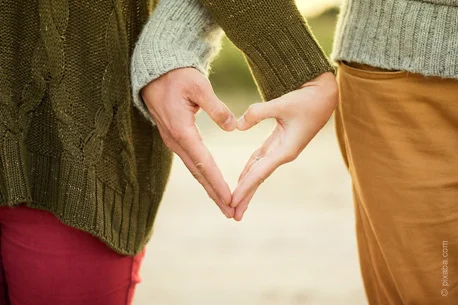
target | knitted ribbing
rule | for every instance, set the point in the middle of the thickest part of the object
(280, 49)
(180, 33)
(71, 140)
(411, 35)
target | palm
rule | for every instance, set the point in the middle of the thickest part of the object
(300, 115)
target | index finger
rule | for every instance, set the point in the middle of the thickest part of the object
(256, 175)
(203, 160)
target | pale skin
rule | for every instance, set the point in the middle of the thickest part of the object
(174, 99)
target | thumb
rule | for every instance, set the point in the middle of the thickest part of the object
(215, 108)
(257, 113)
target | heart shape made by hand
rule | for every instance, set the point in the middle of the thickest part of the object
(174, 99)
(298, 118)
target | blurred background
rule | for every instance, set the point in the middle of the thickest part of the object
(296, 244)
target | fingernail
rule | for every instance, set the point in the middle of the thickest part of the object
(230, 123)
(241, 122)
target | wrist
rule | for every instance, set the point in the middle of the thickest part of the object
(179, 34)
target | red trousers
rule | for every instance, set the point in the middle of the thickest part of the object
(44, 262)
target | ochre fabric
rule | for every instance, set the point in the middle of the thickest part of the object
(420, 36)
(398, 133)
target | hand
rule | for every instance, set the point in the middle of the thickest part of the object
(300, 115)
(173, 101)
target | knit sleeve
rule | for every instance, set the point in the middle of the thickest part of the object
(179, 33)
(276, 40)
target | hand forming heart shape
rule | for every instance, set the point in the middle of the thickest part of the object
(174, 99)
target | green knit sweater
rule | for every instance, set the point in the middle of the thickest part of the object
(71, 141)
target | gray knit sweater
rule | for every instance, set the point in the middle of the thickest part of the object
(180, 33)
(419, 36)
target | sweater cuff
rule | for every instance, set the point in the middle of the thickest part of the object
(285, 59)
(276, 40)
(179, 34)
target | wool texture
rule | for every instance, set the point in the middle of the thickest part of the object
(279, 47)
(418, 36)
(71, 140)
(179, 34)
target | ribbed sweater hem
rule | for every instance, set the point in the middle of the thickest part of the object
(83, 201)
(410, 35)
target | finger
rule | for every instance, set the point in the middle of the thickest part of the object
(257, 113)
(251, 160)
(243, 206)
(175, 147)
(202, 159)
(225, 209)
(269, 144)
(206, 98)
(260, 171)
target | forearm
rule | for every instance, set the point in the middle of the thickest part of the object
(279, 46)
(180, 33)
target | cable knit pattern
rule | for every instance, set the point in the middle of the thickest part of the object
(419, 36)
(181, 33)
(71, 140)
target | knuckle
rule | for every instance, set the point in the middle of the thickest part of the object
(252, 113)
(196, 175)
(195, 88)
(203, 82)
(219, 115)
(177, 133)
(198, 87)
(199, 165)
